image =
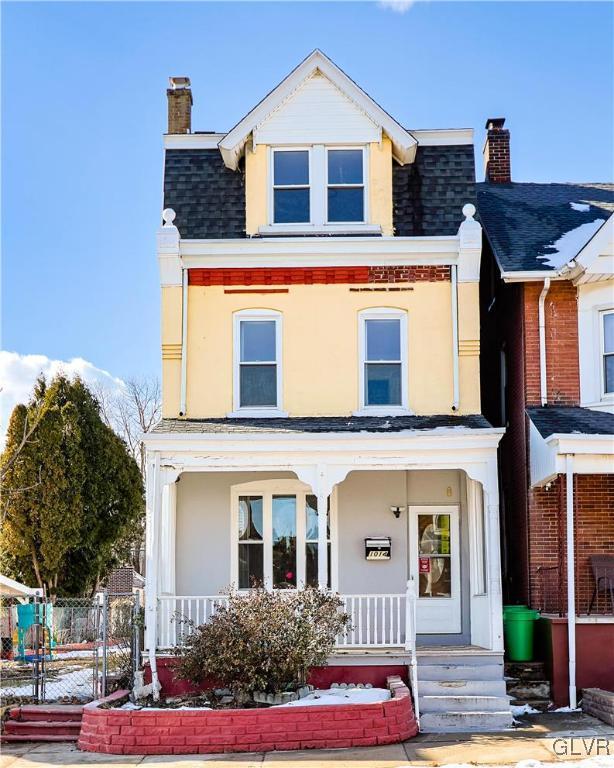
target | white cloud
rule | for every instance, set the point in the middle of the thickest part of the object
(398, 6)
(19, 372)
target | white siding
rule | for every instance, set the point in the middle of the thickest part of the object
(317, 113)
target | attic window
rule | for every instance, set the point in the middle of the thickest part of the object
(346, 191)
(291, 186)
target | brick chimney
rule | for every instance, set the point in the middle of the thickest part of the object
(179, 98)
(497, 161)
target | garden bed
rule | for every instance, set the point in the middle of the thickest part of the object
(107, 728)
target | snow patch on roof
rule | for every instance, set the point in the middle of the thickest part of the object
(582, 207)
(571, 243)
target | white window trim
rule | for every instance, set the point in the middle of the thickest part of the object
(365, 197)
(318, 194)
(265, 411)
(382, 313)
(267, 489)
(606, 396)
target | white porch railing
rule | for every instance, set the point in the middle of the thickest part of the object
(376, 620)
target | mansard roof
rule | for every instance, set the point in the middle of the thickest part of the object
(571, 420)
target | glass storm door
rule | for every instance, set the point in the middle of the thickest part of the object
(435, 566)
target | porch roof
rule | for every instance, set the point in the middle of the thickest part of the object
(571, 420)
(319, 424)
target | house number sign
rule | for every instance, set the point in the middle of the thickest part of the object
(377, 548)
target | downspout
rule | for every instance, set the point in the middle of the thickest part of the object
(184, 340)
(571, 582)
(454, 283)
(543, 383)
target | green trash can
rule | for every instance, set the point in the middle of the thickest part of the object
(511, 608)
(518, 629)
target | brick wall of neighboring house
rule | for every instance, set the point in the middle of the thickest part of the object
(562, 362)
(594, 534)
(120, 581)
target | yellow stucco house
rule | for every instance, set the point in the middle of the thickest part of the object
(319, 269)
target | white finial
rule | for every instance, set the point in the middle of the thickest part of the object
(469, 210)
(168, 215)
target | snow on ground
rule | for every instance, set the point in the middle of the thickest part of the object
(524, 709)
(77, 683)
(130, 705)
(567, 709)
(582, 207)
(571, 243)
(89, 654)
(341, 696)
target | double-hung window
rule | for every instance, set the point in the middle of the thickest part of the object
(276, 544)
(257, 352)
(383, 360)
(608, 352)
(319, 188)
(291, 204)
(345, 185)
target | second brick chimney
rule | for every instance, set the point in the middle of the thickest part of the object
(497, 161)
(179, 98)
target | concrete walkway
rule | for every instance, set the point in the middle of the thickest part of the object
(575, 738)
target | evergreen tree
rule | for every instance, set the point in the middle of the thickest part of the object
(72, 494)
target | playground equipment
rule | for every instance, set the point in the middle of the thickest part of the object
(28, 617)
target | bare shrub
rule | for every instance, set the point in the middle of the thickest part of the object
(264, 641)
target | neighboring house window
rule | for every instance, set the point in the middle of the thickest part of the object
(318, 186)
(291, 186)
(257, 376)
(608, 352)
(383, 359)
(277, 537)
(346, 192)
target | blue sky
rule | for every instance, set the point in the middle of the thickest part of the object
(84, 109)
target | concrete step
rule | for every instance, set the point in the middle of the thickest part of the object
(465, 657)
(452, 671)
(442, 722)
(541, 705)
(463, 703)
(39, 729)
(528, 689)
(462, 687)
(13, 738)
(54, 712)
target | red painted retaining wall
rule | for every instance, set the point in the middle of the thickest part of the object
(179, 732)
(594, 656)
(320, 677)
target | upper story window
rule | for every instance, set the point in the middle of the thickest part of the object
(383, 361)
(608, 352)
(257, 362)
(291, 186)
(318, 187)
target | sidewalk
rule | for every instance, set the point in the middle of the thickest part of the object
(547, 738)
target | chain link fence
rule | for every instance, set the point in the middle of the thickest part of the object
(71, 650)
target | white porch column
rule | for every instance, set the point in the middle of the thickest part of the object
(167, 539)
(322, 500)
(571, 581)
(152, 538)
(493, 543)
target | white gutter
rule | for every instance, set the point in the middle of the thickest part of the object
(571, 583)
(543, 383)
(455, 377)
(184, 341)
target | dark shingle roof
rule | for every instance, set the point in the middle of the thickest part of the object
(429, 194)
(318, 424)
(523, 221)
(567, 420)
(208, 198)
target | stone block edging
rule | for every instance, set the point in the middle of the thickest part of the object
(180, 732)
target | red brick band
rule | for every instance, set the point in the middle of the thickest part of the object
(180, 732)
(319, 275)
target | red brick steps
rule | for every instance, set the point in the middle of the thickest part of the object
(52, 722)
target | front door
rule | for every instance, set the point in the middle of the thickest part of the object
(435, 567)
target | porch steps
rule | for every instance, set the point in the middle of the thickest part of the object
(462, 692)
(526, 683)
(53, 722)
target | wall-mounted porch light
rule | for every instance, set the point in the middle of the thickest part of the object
(396, 511)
